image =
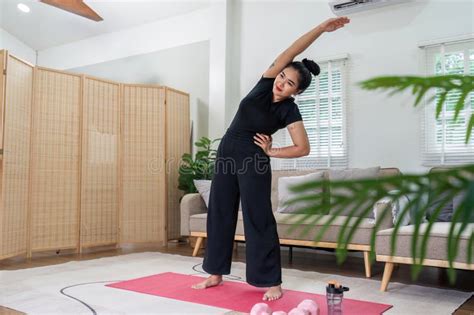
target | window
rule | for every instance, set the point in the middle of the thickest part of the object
(323, 108)
(443, 139)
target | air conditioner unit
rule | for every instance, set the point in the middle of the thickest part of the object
(346, 7)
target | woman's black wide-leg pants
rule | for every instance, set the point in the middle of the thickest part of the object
(242, 169)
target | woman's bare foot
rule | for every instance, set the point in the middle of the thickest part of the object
(273, 293)
(211, 281)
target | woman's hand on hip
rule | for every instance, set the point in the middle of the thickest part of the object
(264, 141)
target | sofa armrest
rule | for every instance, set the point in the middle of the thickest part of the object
(386, 220)
(190, 204)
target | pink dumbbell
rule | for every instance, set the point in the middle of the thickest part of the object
(306, 307)
(310, 306)
(298, 311)
(261, 309)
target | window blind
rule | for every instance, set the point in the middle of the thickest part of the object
(323, 109)
(443, 139)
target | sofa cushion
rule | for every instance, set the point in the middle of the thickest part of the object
(437, 244)
(204, 188)
(446, 211)
(353, 173)
(396, 206)
(307, 230)
(198, 223)
(286, 220)
(285, 194)
(276, 174)
(350, 174)
(457, 202)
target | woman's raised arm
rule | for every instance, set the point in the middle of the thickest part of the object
(302, 43)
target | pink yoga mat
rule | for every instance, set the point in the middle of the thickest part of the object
(237, 296)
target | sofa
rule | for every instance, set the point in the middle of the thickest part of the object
(194, 214)
(436, 250)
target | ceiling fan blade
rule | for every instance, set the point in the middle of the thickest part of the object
(75, 6)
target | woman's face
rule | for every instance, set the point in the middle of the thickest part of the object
(286, 83)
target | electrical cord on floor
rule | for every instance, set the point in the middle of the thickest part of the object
(228, 277)
(62, 291)
(80, 301)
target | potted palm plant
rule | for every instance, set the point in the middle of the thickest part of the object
(201, 167)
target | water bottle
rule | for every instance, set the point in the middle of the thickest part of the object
(334, 295)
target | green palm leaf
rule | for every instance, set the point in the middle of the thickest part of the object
(443, 84)
(362, 194)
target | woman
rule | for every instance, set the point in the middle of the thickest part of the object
(242, 168)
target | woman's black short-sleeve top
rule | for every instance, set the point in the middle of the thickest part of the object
(258, 113)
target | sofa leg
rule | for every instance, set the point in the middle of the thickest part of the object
(197, 247)
(368, 267)
(387, 274)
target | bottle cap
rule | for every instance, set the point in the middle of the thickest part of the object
(335, 287)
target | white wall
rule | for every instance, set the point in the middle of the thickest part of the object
(16, 47)
(382, 131)
(185, 68)
(163, 34)
(202, 25)
(219, 67)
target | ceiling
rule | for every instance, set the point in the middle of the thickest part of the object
(46, 26)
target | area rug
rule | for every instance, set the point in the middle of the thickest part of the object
(79, 287)
(235, 296)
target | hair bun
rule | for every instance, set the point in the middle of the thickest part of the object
(312, 66)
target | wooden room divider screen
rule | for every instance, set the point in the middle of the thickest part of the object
(17, 92)
(177, 143)
(143, 164)
(100, 194)
(55, 160)
(85, 161)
